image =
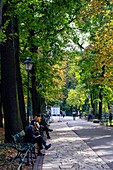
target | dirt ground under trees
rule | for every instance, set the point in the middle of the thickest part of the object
(7, 154)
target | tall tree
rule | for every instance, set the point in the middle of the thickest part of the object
(1, 121)
(20, 95)
(9, 85)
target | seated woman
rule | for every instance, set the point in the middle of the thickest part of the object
(35, 123)
(31, 138)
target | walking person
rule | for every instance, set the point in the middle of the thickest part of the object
(74, 114)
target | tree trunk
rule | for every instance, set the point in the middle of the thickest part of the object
(1, 122)
(43, 106)
(100, 105)
(39, 103)
(18, 75)
(34, 94)
(9, 87)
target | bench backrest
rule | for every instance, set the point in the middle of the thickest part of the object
(18, 138)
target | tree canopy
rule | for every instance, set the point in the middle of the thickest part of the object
(70, 43)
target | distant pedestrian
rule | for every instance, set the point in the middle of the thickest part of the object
(89, 116)
(110, 118)
(80, 115)
(74, 114)
(61, 113)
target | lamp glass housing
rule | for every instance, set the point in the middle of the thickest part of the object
(29, 64)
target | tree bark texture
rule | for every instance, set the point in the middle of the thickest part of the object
(100, 105)
(9, 86)
(18, 74)
(1, 120)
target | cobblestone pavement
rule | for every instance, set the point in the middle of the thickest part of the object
(69, 151)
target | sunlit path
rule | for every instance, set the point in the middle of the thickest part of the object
(68, 150)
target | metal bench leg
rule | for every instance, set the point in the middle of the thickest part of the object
(28, 158)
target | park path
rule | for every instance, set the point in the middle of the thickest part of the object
(68, 150)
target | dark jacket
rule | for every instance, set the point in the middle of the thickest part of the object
(29, 137)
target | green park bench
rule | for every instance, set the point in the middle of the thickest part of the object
(104, 118)
(96, 121)
(25, 151)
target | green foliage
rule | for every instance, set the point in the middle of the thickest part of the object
(77, 97)
(58, 31)
(44, 26)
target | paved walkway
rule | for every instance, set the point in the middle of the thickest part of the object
(98, 137)
(69, 151)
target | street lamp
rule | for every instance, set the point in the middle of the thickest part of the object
(28, 63)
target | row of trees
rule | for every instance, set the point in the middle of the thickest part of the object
(38, 29)
(70, 44)
(96, 63)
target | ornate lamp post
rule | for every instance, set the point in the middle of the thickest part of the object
(29, 63)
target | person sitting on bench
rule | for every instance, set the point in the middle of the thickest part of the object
(35, 123)
(45, 125)
(41, 125)
(31, 138)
